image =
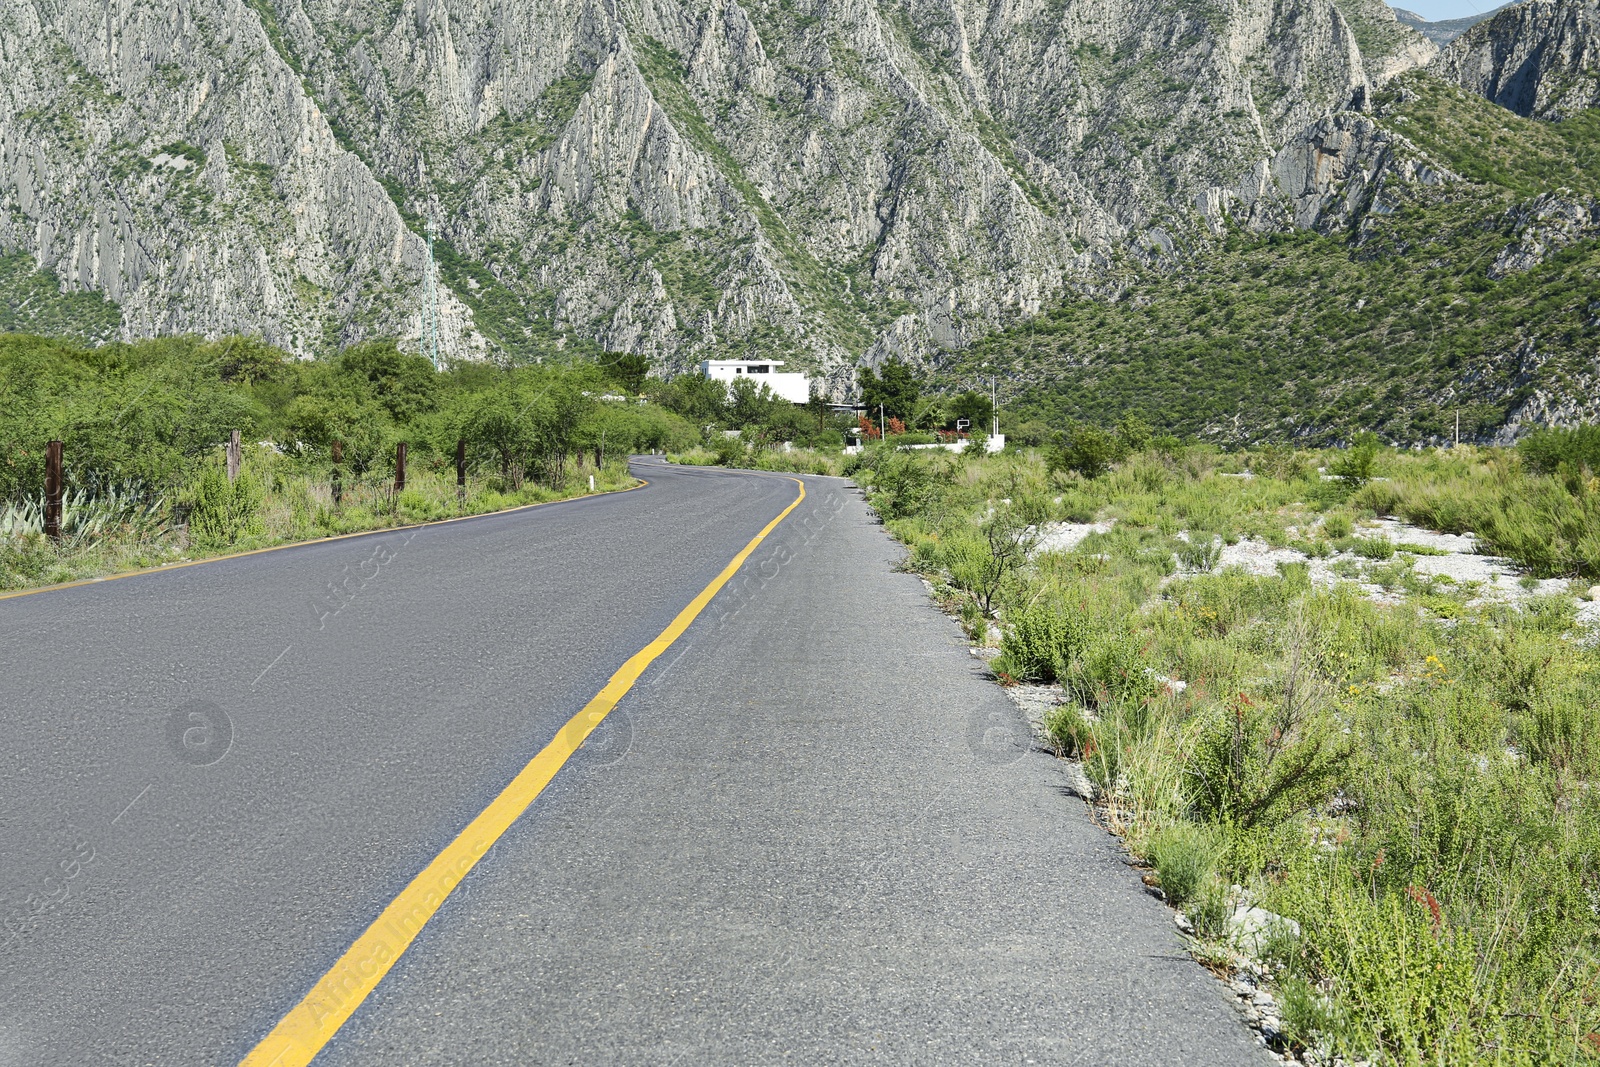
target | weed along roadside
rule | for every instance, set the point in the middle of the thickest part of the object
(145, 454)
(1353, 753)
(270, 505)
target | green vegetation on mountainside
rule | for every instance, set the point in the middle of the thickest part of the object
(1395, 327)
(816, 286)
(31, 301)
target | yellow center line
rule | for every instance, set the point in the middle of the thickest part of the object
(310, 1024)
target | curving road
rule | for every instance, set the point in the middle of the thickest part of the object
(810, 833)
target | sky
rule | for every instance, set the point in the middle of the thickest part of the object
(1439, 10)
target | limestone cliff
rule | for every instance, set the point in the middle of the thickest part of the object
(1540, 59)
(813, 179)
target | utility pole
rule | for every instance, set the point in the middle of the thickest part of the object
(882, 436)
(1458, 427)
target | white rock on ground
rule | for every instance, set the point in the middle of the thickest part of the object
(1066, 536)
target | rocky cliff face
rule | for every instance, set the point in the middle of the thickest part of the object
(1540, 59)
(818, 181)
(167, 158)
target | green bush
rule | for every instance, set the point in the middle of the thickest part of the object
(729, 451)
(1113, 667)
(1067, 730)
(1357, 464)
(1087, 450)
(1254, 765)
(1041, 641)
(903, 483)
(1545, 450)
(1201, 551)
(1185, 859)
(1367, 547)
(222, 514)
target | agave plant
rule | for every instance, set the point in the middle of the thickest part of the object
(88, 516)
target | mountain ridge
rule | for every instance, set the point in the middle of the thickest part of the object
(1442, 31)
(853, 182)
(828, 184)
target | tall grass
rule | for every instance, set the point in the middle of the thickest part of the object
(277, 500)
(1409, 783)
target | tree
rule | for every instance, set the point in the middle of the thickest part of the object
(750, 404)
(1356, 465)
(248, 360)
(316, 420)
(972, 406)
(629, 370)
(697, 398)
(894, 387)
(405, 384)
(1134, 431)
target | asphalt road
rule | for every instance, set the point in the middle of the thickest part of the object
(811, 833)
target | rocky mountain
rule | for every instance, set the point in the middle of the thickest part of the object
(1540, 58)
(1443, 31)
(1452, 278)
(821, 180)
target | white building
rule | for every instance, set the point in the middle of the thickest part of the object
(795, 388)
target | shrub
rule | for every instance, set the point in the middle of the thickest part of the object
(729, 451)
(1042, 641)
(1087, 450)
(983, 562)
(1201, 551)
(1185, 858)
(221, 514)
(1367, 547)
(1254, 765)
(1559, 728)
(1544, 450)
(1067, 729)
(904, 483)
(1356, 465)
(1114, 667)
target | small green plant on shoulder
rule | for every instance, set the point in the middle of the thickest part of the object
(974, 622)
(729, 451)
(1067, 730)
(1208, 911)
(1042, 640)
(1310, 1019)
(1257, 762)
(904, 483)
(986, 560)
(1113, 668)
(221, 514)
(1185, 858)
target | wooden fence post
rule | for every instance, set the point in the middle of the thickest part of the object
(235, 456)
(338, 481)
(461, 468)
(399, 466)
(52, 490)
